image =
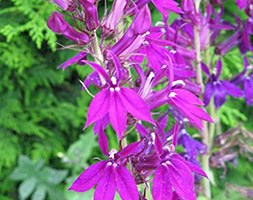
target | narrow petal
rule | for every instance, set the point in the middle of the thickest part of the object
(98, 108)
(99, 70)
(191, 98)
(209, 92)
(126, 185)
(231, 89)
(135, 105)
(89, 177)
(162, 188)
(117, 113)
(106, 187)
(181, 179)
(75, 59)
(220, 96)
(194, 168)
(131, 149)
(248, 89)
(103, 141)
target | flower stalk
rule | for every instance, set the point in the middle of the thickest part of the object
(205, 131)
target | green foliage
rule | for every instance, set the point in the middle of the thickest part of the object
(231, 115)
(42, 109)
(38, 180)
(30, 16)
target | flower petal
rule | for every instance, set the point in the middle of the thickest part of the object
(89, 177)
(135, 105)
(181, 179)
(117, 114)
(162, 188)
(75, 59)
(231, 89)
(98, 108)
(126, 185)
(106, 187)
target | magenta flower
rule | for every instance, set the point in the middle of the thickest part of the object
(174, 173)
(108, 176)
(111, 21)
(117, 101)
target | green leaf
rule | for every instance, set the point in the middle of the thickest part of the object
(36, 176)
(26, 188)
(40, 193)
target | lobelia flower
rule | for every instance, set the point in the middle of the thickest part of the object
(77, 59)
(245, 78)
(116, 101)
(218, 89)
(241, 38)
(108, 176)
(174, 173)
(59, 25)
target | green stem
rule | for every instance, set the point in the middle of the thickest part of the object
(205, 134)
(99, 59)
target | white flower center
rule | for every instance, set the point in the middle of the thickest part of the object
(172, 94)
(114, 80)
(178, 82)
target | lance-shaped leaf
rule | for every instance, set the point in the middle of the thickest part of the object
(126, 185)
(89, 177)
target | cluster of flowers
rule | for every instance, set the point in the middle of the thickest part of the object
(139, 68)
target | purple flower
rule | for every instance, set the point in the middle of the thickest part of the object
(218, 89)
(174, 172)
(163, 6)
(241, 3)
(59, 25)
(245, 78)
(108, 176)
(117, 101)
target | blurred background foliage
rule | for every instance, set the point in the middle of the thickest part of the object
(42, 111)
